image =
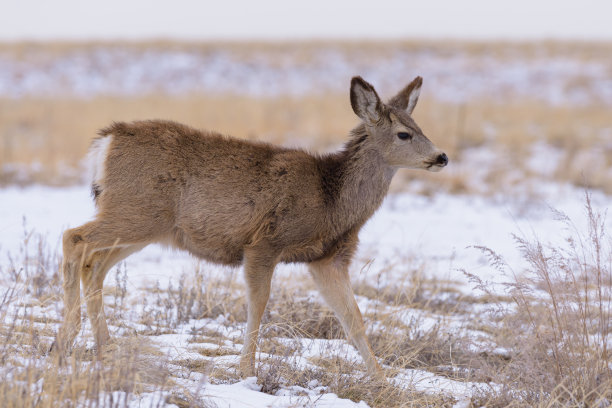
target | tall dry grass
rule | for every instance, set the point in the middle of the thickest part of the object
(553, 338)
(558, 332)
(494, 144)
(548, 336)
(134, 369)
(30, 312)
(491, 145)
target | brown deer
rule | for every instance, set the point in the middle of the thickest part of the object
(233, 202)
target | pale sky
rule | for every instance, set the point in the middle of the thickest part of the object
(287, 19)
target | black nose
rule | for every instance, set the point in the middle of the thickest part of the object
(442, 159)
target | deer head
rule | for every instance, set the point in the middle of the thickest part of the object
(398, 138)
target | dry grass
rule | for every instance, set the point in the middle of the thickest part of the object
(306, 49)
(32, 377)
(490, 145)
(555, 335)
(135, 367)
(559, 331)
(490, 142)
(54, 134)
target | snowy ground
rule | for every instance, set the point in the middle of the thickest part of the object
(420, 241)
(434, 233)
(438, 231)
(456, 75)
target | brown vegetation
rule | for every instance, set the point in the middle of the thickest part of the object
(41, 142)
(559, 332)
(544, 344)
(548, 350)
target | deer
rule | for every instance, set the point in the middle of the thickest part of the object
(235, 202)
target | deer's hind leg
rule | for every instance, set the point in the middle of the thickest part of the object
(73, 254)
(92, 276)
(89, 252)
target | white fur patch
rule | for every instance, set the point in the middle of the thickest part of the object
(96, 158)
(413, 98)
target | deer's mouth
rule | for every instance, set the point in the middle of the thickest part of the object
(434, 167)
(438, 163)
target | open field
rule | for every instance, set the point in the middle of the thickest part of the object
(445, 338)
(474, 291)
(490, 144)
(505, 113)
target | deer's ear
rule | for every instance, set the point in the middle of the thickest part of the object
(365, 101)
(407, 98)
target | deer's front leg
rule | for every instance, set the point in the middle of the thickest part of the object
(258, 270)
(333, 281)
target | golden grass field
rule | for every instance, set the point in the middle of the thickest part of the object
(44, 138)
(49, 138)
(554, 343)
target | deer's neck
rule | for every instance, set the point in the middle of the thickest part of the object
(362, 180)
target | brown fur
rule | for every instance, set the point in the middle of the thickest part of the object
(235, 202)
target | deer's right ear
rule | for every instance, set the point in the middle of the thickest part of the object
(365, 101)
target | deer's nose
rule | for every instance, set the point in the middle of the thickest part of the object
(442, 159)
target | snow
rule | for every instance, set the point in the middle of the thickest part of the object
(437, 232)
(456, 75)
(246, 394)
(429, 382)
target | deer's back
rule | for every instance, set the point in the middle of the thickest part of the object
(213, 195)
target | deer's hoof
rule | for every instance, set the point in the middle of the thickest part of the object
(247, 367)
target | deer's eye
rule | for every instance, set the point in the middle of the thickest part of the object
(404, 136)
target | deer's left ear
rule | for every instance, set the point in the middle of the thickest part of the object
(365, 101)
(407, 98)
